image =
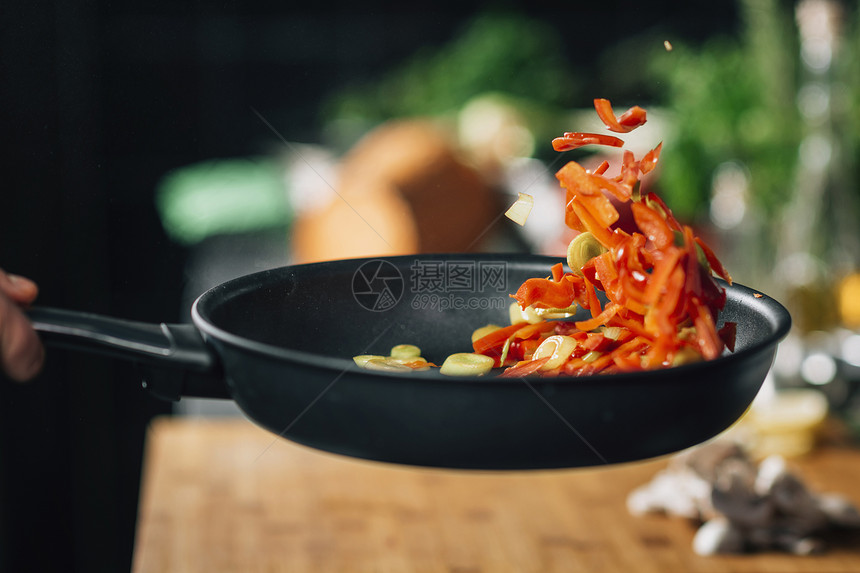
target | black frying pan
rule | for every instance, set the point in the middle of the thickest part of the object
(280, 343)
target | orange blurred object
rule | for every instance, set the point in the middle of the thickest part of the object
(402, 189)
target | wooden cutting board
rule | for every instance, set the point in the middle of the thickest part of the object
(229, 496)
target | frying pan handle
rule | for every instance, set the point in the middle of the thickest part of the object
(175, 360)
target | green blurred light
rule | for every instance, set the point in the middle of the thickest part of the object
(224, 196)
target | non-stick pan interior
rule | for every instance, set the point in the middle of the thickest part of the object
(286, 338)
(329, 312)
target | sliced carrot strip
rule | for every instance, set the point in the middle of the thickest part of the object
(524, 368)
(599, 320)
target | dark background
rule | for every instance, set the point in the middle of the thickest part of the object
(98, 101)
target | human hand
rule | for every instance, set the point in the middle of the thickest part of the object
(21, 350)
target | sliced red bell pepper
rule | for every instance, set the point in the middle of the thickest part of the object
(572, 140)
(706, 333)
(601, 169)
(626, 122)
(592, 300)
(715, 263)
(652, 225)
(600, 232)
(655, 286)
(649, 162)
(655, 201)
(548, 293)
(728, 334)
(496, 339)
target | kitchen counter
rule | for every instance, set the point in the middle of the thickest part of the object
(225, 495)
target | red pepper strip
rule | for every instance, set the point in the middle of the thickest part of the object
(574, 366)
(619, 190)
(630, 291)
(589, 272)
(601, 233)
(497, 338)
(664, 210)
(596, 365)
(571, 219)
(575, 140)
(652, 225)
(728, 334)
(619, 295)
(515, 353)
(600, 207)
(601, 169)
(574, 177)
(629, 362)
(533, 329)
(596, 341)
(629, 170)
(633, 345)
(633, 325)
(549, 294)
(627, 356)
(709, 342)
(715, 263)
(604, 267)
(669, 302)
(694, 275)
(660, 275)
(649, 162)
(557, 272)
(627, 122)
(601, 319)
(615, 287)
(524, 368)
(662, 322)
(658, 355)
(592, 300)
(633, 118)
(528, 347)
(578, 181)
(567, 328)
(632, 274)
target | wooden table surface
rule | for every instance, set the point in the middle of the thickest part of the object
(225, 495)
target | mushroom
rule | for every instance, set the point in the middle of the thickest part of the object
(733, 495)
(743, 507)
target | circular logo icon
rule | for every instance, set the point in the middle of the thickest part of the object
(377, 285)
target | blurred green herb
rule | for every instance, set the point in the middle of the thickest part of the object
(496, 52)
(732, 99)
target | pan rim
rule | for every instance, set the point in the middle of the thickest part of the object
(779, 325)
